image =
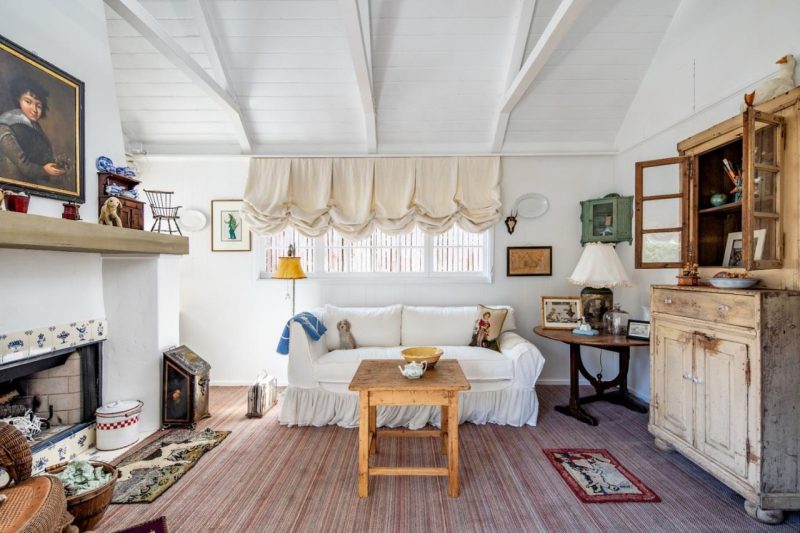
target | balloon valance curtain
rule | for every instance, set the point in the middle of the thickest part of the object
(357, 195)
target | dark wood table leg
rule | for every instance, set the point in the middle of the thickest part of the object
(573, 409)
(619, 397)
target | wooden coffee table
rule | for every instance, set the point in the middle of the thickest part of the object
(379, 382)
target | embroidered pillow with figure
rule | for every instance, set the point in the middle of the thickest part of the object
(488, 327)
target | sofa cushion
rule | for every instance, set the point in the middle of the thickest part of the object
(478, 364)
(370, 326)
(488, 326)
(451, 326)
(435, 326)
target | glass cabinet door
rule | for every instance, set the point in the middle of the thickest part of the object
(662, 219)
(603, 217)
(762, 234)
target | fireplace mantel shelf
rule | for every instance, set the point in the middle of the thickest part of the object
(34, 232)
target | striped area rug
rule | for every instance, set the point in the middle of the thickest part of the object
(267, 477)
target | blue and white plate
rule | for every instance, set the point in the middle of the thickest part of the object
(104, 164)
(733, 283)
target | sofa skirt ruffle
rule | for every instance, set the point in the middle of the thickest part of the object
(320, 407)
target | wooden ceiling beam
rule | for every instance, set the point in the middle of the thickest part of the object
(357, 29)
(146, 24)
(558, 27)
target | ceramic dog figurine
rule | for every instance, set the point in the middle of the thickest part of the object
(346, 339)
(109, 212)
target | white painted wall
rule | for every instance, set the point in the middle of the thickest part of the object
(43, 288)
(732, 45)
(137, 295)
(234, 320)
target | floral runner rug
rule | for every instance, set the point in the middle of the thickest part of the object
(147, 472)
(595, 476)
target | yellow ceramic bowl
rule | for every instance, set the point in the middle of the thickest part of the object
(418, 354)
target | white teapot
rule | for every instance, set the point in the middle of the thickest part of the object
(413, 370)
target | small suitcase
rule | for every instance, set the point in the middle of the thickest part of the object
(263, 394)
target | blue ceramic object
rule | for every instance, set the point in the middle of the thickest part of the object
(718, 199)
(104, 164)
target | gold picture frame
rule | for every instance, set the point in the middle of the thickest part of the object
(41, 126)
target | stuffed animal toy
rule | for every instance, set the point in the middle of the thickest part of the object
(346, 339)
(771, 88)
(108, 213)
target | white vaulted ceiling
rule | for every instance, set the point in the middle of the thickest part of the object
(421, 76)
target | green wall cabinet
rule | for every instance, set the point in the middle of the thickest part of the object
(607, 219)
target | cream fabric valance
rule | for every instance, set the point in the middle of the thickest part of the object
(357, 195)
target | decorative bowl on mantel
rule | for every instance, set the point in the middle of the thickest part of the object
(418, 354)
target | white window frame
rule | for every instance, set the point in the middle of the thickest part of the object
(427, 276)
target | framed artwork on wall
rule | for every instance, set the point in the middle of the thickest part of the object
(41, 126)
(229, 231)
(561, 312)
(529, 261)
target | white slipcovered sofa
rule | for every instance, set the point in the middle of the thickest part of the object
(502, 383)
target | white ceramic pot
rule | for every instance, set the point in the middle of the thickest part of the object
(118, 424)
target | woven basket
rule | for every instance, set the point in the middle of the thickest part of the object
(88, 507)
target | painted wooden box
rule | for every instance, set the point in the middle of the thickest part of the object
(185, 391)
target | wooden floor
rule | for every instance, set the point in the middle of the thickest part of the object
(266, 477)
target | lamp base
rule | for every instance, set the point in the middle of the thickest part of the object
(595, 303)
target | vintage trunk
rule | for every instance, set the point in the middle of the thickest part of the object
(185, 392)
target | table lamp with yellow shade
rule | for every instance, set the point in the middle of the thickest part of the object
(289, 268)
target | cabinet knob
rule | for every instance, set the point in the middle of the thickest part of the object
(687, 376)
(696, 380)
(668, 301)
(724, 308)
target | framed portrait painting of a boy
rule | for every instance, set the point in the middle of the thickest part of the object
(41, 126)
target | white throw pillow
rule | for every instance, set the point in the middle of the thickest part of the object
(370, 326)
(438, 326)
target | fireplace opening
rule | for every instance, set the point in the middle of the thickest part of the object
(61, 388)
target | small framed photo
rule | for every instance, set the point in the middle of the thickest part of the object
(529, 261)
(229, 231)
(561, 312)
(733, 248)
(639, 329)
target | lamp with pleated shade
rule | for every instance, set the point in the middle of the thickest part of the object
(289, 267)
(598, 270)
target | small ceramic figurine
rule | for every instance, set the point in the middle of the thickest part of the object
(413, 370)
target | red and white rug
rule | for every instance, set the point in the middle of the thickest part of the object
(595, 476)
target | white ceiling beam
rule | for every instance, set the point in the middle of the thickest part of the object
(142, 21)
(524, 20)
(357, 31)
(558, 27)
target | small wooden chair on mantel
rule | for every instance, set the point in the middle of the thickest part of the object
(161, 207)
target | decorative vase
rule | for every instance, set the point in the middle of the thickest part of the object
(615, 321)
(719, 199)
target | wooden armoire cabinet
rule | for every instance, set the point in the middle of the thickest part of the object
(725, 372)
(688, 209)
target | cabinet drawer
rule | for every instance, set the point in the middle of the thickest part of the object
(723, 308)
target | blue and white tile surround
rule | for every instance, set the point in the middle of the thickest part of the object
(20, 345)
(29, 343)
